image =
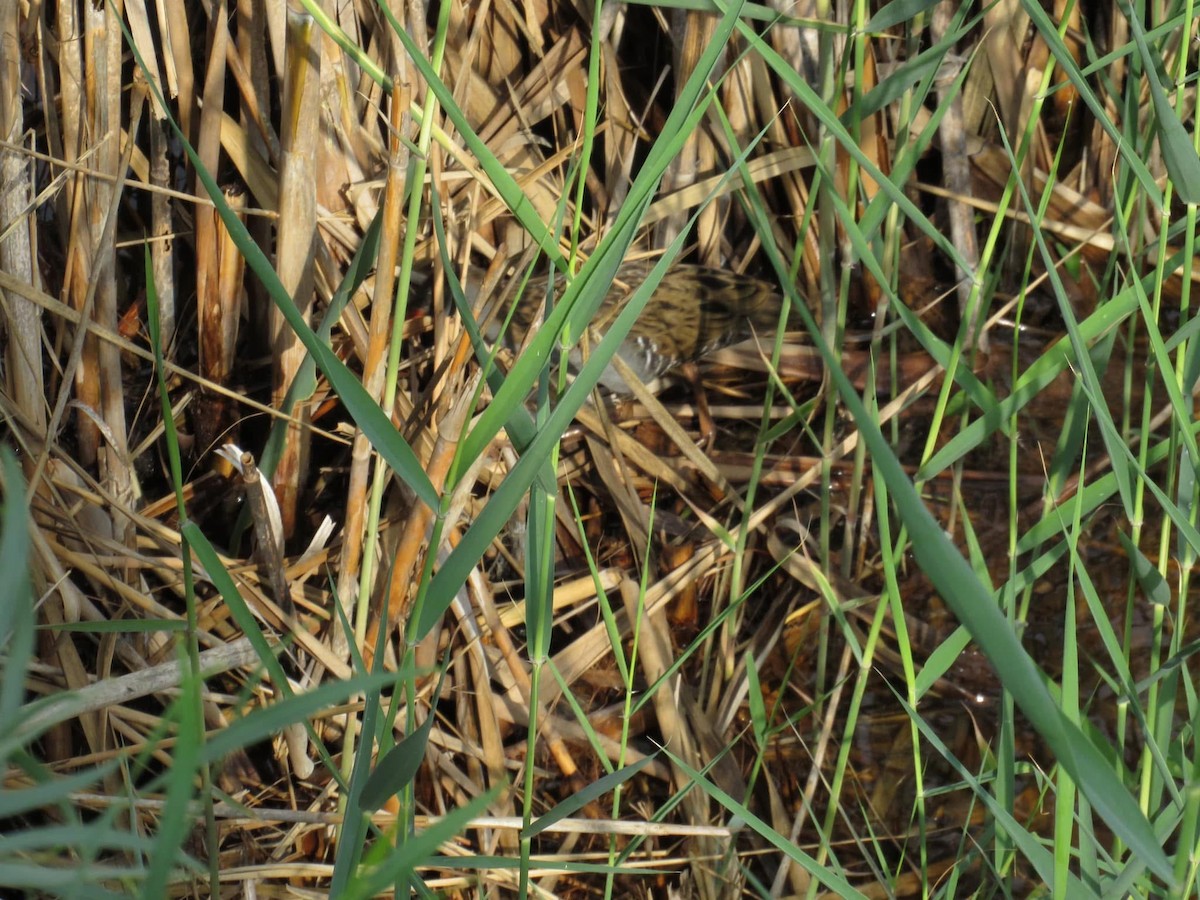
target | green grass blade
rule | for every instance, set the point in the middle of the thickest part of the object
(16, 596)
(1183, 166)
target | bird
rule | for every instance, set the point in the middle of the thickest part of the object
(694, 311)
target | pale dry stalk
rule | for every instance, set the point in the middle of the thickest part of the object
(374, 371)
(152, 46)
(219, 304)
(23, 319)
(690, 33)
(162, 229)
(116, 467)
(297, 237)
(216, 324)
(72, 149)
(956, 174)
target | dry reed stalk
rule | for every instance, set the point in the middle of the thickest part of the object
(374, 359)
(69, 316)
(254, 85)
(23, 320)
(996, 89)
(797, 45)
(92, 225)
(485, 214)
(445, 328)
(873, 141)
(247, 64)
(296, 240)
(147, 44)
(268, 535)
(64, 603)
(873, 131)
(178, 64)
(567, 595)
(70, 139)
(216, 328)
(162, 229)
(338, 146)
(220, 300)
(785, 163)
(740, 98)
(700, 156)
(957, 176)
(491, 42)
(102, 694)
(690, 34)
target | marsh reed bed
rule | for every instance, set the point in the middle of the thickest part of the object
(310, 587)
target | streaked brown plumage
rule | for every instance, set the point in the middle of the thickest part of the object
(694, 311)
